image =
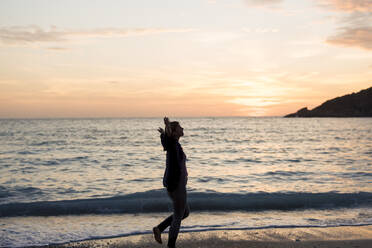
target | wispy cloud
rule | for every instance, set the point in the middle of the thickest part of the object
(356, 27)
(34, 34)
(260, 30)
(358, 36)
(216, 37)
(356, 31)
(347, 5)
(57, 48)
(262, 3)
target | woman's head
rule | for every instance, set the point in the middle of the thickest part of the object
(176, 129)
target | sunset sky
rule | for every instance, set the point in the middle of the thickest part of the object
(137, 58)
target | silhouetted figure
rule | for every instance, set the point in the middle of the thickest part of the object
(175, 180)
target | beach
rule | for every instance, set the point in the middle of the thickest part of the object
(314, 237)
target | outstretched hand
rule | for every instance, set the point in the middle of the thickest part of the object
(161, 130)
(167, 126)
(166, 121)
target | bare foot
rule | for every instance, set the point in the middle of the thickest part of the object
(157, 234)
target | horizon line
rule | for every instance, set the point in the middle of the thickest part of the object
(132, 117)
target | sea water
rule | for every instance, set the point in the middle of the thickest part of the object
(74, 179)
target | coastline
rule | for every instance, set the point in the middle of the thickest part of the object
(343, 236)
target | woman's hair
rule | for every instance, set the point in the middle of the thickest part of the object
(172, 127)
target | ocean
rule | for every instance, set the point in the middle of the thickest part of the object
(66, 180)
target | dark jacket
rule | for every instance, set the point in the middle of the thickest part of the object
(175, 155)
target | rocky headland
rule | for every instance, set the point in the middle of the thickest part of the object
(352, 105)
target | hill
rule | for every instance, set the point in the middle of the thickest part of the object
(352, 105)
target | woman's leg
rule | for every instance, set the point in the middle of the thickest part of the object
(165, 223)
(179, 206)
(168, 221)
(180, 211)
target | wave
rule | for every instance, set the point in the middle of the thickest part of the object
(48, 142)
(154, 201)
(9, 192)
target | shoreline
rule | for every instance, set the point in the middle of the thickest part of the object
(340, 236)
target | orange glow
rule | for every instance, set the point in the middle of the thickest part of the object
(186, 66)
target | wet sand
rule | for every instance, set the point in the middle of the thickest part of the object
(316, 237)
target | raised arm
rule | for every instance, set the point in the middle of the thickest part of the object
(165, 134)
(167, 126)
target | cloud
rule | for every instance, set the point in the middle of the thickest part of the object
(262, 3)
(34, 34)
(355, 24)
(260, 30)
(258, 102)
(57, 48)
(11, 35)
(216, 37)
(358, 37)
(347, 5)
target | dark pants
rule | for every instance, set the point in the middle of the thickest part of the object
(180, 211)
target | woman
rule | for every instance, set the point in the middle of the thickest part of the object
(175, 180)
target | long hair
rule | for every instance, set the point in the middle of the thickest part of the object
(172, 128)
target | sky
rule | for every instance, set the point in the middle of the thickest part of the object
(180, 58)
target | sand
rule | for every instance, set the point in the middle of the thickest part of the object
(315, 237)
